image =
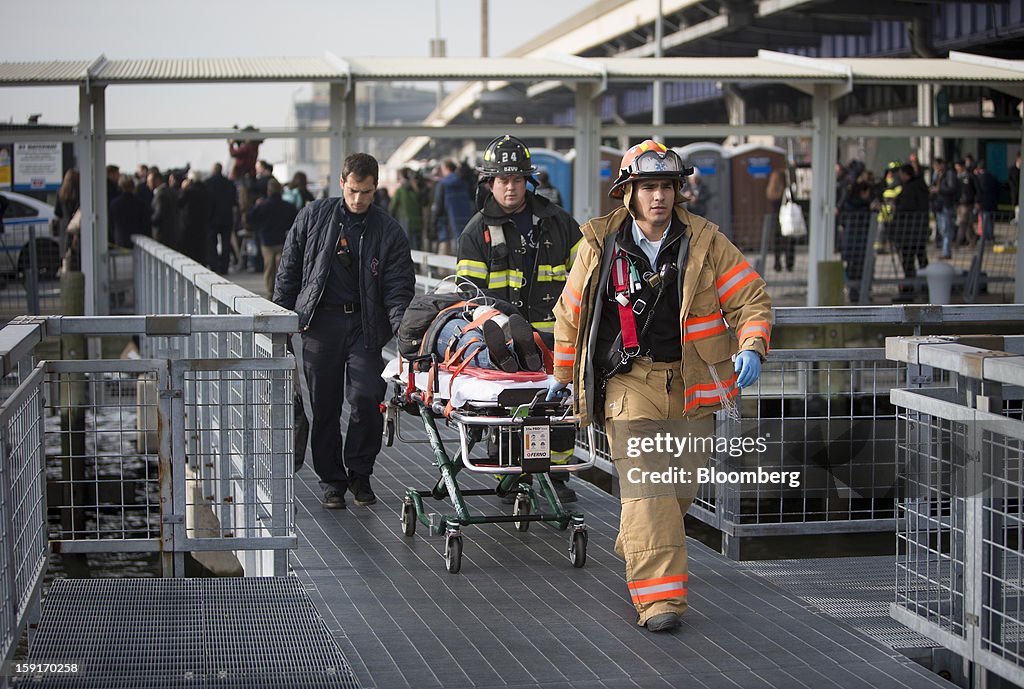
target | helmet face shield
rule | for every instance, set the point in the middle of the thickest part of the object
(649, 159)
(650, 162)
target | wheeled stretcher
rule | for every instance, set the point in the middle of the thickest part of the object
(509, 412)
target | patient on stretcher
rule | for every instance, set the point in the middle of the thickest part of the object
(491, 340)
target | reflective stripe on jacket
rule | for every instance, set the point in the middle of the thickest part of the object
(535, 292)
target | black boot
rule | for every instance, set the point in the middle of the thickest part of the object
(560, 481)
(494, 338)
(361, 490)
(530, 358)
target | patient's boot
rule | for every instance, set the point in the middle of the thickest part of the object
(530, 358)
(497, 348)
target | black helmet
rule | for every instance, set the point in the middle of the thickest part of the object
(507, 155)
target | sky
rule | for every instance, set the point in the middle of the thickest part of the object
(77, 29)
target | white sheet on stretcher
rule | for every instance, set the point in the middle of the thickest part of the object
(467, 388)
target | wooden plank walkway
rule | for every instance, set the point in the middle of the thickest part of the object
(519, 615)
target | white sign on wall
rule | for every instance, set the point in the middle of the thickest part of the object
(37, 166)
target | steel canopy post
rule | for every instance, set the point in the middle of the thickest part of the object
(821, 228)
(657, 99)
(343, 131)
(736, 108)
(93, 166)
(88, 183)
(586, 203)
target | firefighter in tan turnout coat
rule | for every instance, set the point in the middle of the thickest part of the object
(660, 323)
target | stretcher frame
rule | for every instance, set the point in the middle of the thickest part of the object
(532, 504)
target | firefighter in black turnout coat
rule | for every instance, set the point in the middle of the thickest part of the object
(519, 247)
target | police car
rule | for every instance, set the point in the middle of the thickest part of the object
(25, 214)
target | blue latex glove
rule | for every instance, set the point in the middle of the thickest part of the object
(556, 391)
(748, 368)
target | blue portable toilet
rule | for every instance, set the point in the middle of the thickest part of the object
(716, 175)
(559, 170)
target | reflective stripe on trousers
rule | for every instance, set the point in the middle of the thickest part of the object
(652, 537)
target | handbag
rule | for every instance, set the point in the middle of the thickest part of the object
(791, 217)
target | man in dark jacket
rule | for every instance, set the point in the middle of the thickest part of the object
(128, 214)
(346, 269)
(141, 189)
(196, 206)
(270, 219)
(519, 248)
(451, 209)
(987, 201)
(166, 219)
(910, 222)
(946, 192)
(966, 235)
(225, 201)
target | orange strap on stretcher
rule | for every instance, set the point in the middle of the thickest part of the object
(549, 358)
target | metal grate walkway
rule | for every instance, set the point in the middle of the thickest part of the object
(519, 615)
(197, 633)
(857, 590)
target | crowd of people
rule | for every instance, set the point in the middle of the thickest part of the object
(961, 196)
(238, 221)
(225, 222)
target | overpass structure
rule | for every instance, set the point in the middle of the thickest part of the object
(739, 28)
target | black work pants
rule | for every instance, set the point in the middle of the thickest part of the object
(910, 235)
(909, 254)
(784, 246)
(338, 368)
(219, 259)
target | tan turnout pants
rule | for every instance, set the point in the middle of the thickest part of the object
(644, 403)
(271, 259)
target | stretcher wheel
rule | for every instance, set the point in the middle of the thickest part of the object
(578, 548)
(453, 553)
(409, 519)
(522, 508)
(389, 433)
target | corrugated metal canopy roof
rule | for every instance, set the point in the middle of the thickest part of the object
(917, 70)
(330, 68)
(51, 73)
(722, 69)
(218, 70)
(470, 69)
